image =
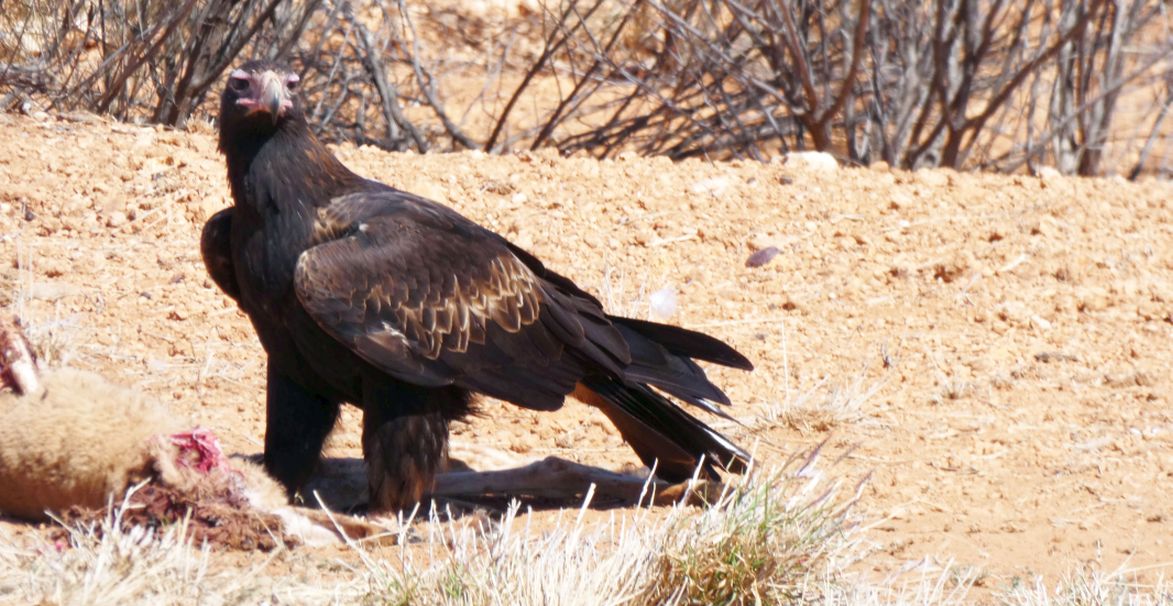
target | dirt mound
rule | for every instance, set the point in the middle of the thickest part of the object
(994, 349)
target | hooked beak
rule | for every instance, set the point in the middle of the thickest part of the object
(265, 92)
(272, 98)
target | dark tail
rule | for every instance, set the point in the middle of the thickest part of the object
(665, 437)
(662, 356)
(685, 342)
(662, 433)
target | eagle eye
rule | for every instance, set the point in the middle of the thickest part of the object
(291, 81)
(238, 84)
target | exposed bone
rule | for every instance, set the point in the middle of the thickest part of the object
(558, 478)
(19, 368)
(341, 482)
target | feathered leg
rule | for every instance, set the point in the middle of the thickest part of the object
(405, 439)
(296, 425)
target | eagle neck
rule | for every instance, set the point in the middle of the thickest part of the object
(286, 171)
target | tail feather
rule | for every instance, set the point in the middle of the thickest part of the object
(689, 385)
(661, 356)
(686, 343)
(664, 436)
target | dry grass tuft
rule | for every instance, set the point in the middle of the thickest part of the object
(822, 407)
(111, 562)
(1088, 585)
(762, 541)
(783, 536)
(52, 338)
(764, 538)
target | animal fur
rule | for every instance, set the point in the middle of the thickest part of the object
(78, 442)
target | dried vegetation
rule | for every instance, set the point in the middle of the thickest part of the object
(1084, 86)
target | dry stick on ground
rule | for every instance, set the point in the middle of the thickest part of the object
(553, 477)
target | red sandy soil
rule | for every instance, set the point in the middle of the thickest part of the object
(996, 349)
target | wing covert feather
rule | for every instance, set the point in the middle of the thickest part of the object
(431, 298)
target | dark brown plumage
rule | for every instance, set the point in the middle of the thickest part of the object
(366, 294)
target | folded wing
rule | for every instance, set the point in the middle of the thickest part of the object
(431, 298)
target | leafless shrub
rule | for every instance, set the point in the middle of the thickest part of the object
(346, 81)
(363, 70)
(156, 61)
(714, 78)
(956, 66)
(950, 83)
(989, 84)
(558, 42)
(149, 60)
(1081, 92)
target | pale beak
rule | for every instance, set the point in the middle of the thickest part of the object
(272, 97)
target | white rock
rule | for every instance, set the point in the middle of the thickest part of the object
(814, 161)
(714, 186)
(1049, 173)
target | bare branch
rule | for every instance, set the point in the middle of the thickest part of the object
(372, 60)
(426, 85)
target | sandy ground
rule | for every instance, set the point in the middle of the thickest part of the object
(995, 351)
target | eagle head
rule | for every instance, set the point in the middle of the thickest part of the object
(258, 97)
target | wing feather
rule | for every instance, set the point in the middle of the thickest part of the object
(430, 297)
(216, 249)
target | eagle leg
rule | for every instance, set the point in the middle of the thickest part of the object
(296, 425)
(405, 439)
